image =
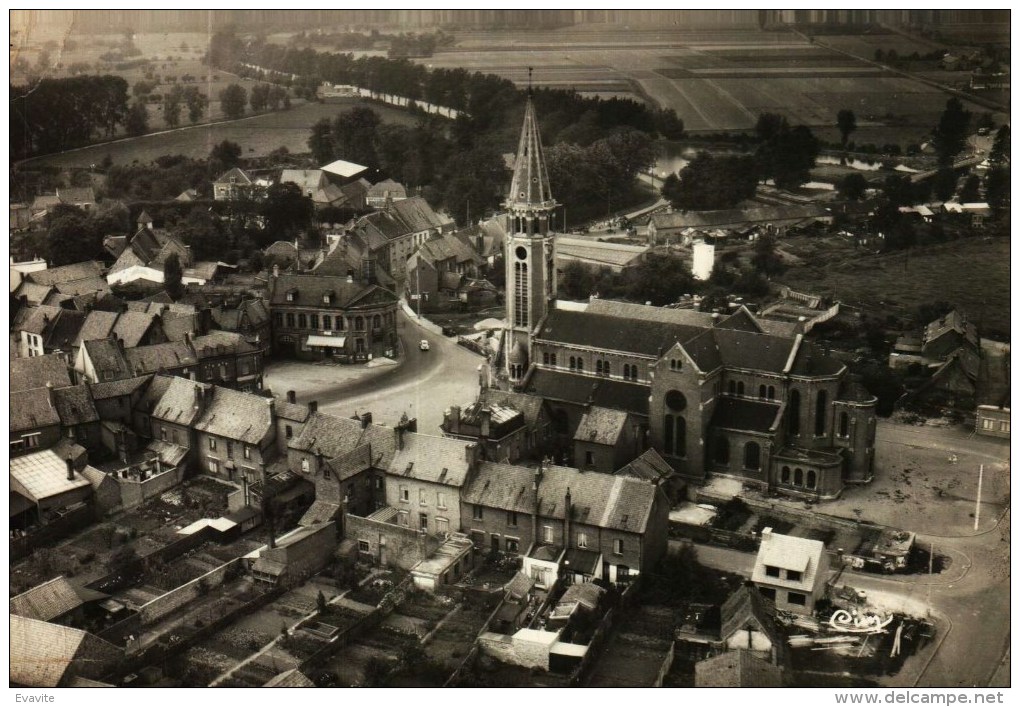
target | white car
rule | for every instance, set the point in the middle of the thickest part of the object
(424, 345)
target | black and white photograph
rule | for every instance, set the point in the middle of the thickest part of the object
(505, 348)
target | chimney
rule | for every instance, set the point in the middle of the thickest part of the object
(366, 420)
(291, 397)
(49, 393)
(486, 422)
(70, 469)
(766, 534)
(567, 509)
(122, 452)
(199, 398)
(120, 342)
(453, 419)
(271, 402)
(157, 463)
(313, 406)
(320, 460)
(368, 270)
(399, 431)
(471, 454)
(276, 270)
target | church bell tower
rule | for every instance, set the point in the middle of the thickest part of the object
(530, 250)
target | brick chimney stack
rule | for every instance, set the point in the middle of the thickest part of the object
(567, 509)
(70, 469)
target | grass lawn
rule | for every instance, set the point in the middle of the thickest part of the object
(257, 135)
(970, 274)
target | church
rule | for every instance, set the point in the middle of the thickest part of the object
(713, 394)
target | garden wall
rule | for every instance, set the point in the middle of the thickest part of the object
(176, 598)
(67, 524)
(134, 493)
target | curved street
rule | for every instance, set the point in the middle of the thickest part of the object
(421, 383)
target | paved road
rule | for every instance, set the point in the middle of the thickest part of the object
(423, 384)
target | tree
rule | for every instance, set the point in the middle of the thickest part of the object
(232, 101)
(999, 154)
(576, 281)
(320, 602)
(847, 123)
(853, 186)
(786, 154)
(196, 102)
(950, 135)
(137, 122)
(661, 280)
(971, 189)
(227, 154)
(712, 182)
(997, 187)
(321, 142)
(71, 237)
(259, 96)
(286, 210)
(944, 184)
(173, 275)
(770, 125)
(765, 257)
(172, 104)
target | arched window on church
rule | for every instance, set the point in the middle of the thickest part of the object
(844, 424)
(740, 387)
(626, 371)
(598, 367)
(733, 387)
(573, 363)
(580, 363)
(605, 368)
(552, 360)
(761, 391)
(812, 478)
(798, 477)
(772, 392)
(752, 456)
(784, 476)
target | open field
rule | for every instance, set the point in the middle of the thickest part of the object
(719, 81)
(972, 274)
(257, 135)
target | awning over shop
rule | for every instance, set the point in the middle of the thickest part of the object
(336, 342)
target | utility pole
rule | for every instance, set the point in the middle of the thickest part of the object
(931, 559)
(977, 506)
(417, 283)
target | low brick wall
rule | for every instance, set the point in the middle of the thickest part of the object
(134, 493)
(176, 598)
(713, 536)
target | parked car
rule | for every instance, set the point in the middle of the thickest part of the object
(424, 345)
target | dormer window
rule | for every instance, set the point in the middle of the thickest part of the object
(290, 296)
(326, 298)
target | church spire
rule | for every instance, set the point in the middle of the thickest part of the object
(529, 189)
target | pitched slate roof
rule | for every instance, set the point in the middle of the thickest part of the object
(42, 653)
(67, 273)
(76, 195)
(954, 321)
(403, 218)
(739, 668)
(741, 320)
(791, 553)
(113, 389)
(64, 331)
(82, 286)
(51, 599)
(42, 475)
(131, 327)
(98, 325)
(232, 176)
(601, 426)
(530, 406)
(177, 404)
(343, 260)
(308, 180)
(107, 357)
(584, 390)
(746, 415)
(438, 460)
(602, 500)
(33, 293)
(291, 411)
(737, 217)
(37, 371)
(613, 333)
(219, 343)
(36, 320)
(75, 405)
(32, 409)
(387, 188)
(334, 436)
(235, 415)
(445, 248)
(308, 290)
(159, 357)
(747, 605)
(649, 466)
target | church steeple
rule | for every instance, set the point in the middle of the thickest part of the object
(529, 189)
(530, 249)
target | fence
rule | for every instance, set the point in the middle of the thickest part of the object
(667, 663)
(713, 536)
(70, 522)
(134, 493)
(472, 654)
(627, 597)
